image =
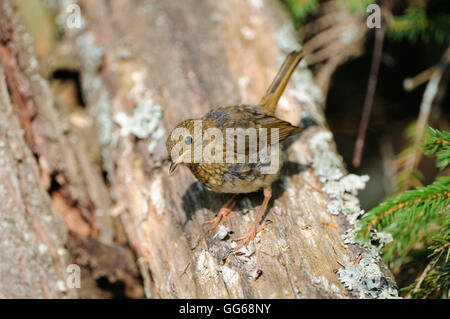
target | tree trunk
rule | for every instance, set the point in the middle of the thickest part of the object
(65, 178)
(184, 58)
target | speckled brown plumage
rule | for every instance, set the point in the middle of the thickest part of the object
(236, 177)
(244, 177)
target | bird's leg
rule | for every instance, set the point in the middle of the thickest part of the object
(255, 229)
(223, 212)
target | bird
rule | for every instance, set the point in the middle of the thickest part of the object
(225, 173)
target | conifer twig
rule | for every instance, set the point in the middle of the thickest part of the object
(438, 143)
(422, 277)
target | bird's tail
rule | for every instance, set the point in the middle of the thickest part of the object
(273, 93)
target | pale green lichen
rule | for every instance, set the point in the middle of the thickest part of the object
(366, 278)
(143, 123)
(347, 184)
(303, 79)
(380, 239)
(285, 39)
(90, 52)
(340, 188)
(145, 120)
(327, 164)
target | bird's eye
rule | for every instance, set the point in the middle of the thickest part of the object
(188, 140)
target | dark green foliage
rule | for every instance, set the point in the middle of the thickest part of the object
(435, 281)
(357, 5)
(301, 8)
(438, 143)
(415, 24)
(422, 216)
(410, 216)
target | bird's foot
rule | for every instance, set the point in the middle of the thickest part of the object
(224, 211)
(250, 236)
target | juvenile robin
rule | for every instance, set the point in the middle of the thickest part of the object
(227, 174)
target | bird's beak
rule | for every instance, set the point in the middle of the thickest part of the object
(173, 166)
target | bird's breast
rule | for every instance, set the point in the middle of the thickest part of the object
(234, 178)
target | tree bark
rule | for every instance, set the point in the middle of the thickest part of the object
(187, 57)
(54, 201)
(32, 253)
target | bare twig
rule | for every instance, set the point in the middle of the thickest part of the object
(425, 108)
(410, 84)
(334, 37)
(370, 93)
(421, 278)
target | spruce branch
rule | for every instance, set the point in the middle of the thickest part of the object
(301, 8)
(438, 143)
(435, 279)
(416, 215)
(415, 24)
(408, 216)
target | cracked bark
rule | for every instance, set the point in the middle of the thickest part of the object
(32, 254)
(53, 196)
(187, 56)
(191, 56)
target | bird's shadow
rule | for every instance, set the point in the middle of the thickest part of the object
(198, 197)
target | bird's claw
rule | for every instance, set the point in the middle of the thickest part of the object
(249, 237)
(223, 213)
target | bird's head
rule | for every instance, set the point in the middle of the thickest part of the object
(180, 145)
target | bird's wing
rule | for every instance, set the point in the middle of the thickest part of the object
(250, 116)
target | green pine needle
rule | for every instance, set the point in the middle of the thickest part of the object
(415, 24)
(414, 217)
(438, 143)
(357, 5)
(300, 9)
(435, 281)
(409, 216)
